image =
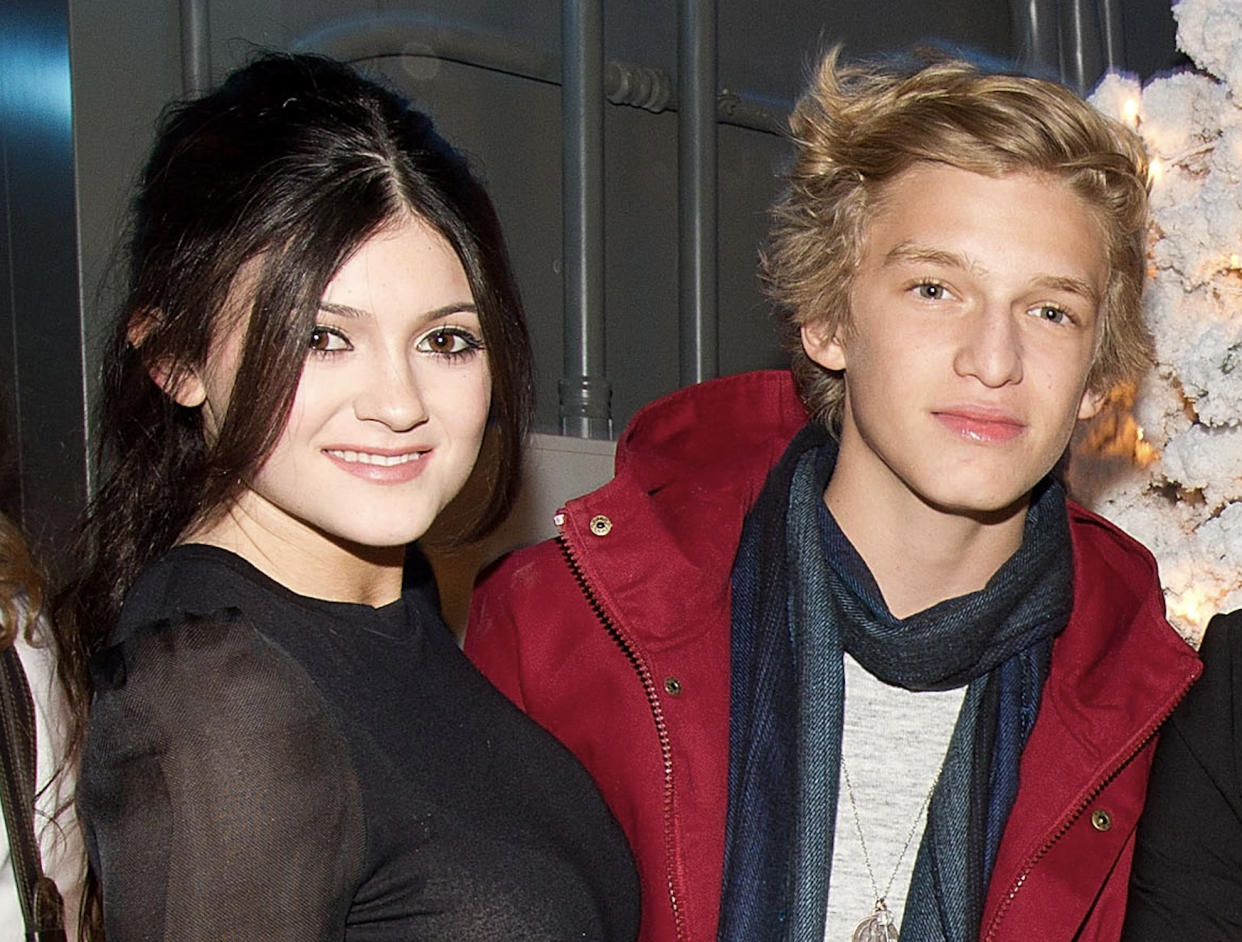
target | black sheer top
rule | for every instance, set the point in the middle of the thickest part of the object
(262, 765)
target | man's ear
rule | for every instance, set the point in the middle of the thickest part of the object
(823, 345)
(1091, 403)
(182, 384)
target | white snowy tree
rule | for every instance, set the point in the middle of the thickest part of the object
(1165, 461)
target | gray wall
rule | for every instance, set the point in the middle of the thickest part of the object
(126, 58)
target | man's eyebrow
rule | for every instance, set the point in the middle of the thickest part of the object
(447, 310)
(913, 252)
(910, 252)
(1084, 289)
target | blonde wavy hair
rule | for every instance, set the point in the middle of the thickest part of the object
(858, 127)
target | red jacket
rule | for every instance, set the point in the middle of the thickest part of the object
(616, 638)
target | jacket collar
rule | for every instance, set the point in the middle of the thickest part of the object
(688, 467)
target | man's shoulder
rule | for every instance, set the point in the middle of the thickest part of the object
(1119, 610)
(718, 423)
(1102, 548)
(526, 569)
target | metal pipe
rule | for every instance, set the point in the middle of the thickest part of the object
(696, 185)
(409, 33)
(1112, 34)
(42, 373)
(1035, 32)
(585, 393)
(195, 48)
(1081, 61)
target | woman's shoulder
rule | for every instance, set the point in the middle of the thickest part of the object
(203, 702)
(186, 671)
(190, 654)
(211, 757)
(191, 582)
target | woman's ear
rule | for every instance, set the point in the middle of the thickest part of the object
(182, 384)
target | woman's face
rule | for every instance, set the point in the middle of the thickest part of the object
(390, 409)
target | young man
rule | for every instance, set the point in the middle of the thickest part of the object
(871, 669)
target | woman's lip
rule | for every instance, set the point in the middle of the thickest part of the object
(981, 426)
(380, 465)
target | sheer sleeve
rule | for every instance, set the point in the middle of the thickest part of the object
(219, 801)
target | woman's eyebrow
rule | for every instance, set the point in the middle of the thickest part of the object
(447, 310)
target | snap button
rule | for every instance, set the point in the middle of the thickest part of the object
(672, 686)
(601, 525)
(1101, 820)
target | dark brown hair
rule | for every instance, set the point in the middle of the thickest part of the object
(287, 169)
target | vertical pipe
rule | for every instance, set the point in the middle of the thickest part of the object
(42, 377)
(1035, 33)
(195, 51)
(1112, 34)
(696, 180)
(584, 390)
(1081, 61)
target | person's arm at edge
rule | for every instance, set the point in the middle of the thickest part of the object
(1186, 881)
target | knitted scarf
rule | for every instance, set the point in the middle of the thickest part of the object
(802, 596)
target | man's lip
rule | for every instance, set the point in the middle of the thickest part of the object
(981, 425)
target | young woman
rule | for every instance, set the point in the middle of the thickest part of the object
(321, 328)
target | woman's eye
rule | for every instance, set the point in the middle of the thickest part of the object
(327, 340)
(449, 341)
(931, 291)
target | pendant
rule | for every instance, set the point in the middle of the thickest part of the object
(878, 927)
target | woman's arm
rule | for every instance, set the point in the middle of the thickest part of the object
(1186, 883)
(218, 800)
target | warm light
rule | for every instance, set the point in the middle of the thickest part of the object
(1113, 433)
(1188, 608)
(1235, 262)
(1144, 452)
(1129, 112)
(1155, 171)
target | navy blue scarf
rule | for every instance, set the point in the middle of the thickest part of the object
(802, 596)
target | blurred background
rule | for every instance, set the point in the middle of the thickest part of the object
(632, 148)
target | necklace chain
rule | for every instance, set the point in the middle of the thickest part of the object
(849, 790)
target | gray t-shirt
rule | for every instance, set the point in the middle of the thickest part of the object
(893, 745)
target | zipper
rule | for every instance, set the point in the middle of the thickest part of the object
(657, 714)
(1067, 822)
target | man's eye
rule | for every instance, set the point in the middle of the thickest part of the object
(930, 291)
(1052, 313)
(327, 340)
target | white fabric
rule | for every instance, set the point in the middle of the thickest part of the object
(60, 840)
(893, 743)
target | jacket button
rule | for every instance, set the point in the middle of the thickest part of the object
(601, 525)
(1101, 820)
(672, 686)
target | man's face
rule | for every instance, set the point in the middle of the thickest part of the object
(975, 311)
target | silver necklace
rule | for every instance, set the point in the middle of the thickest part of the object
(880, 925)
